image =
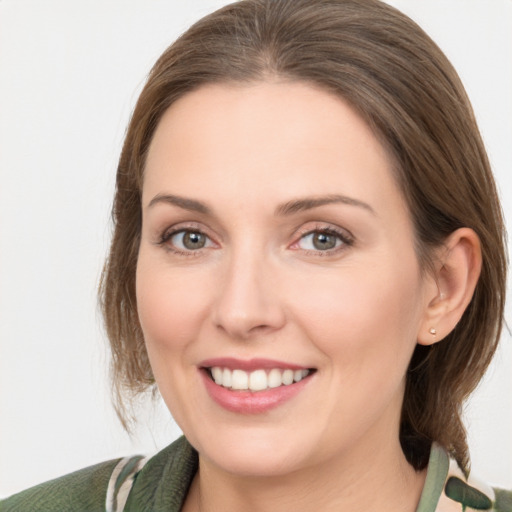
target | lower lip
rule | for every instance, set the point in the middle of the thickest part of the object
(251, 402)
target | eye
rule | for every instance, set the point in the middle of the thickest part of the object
(319, 241)
(323, 240)
(186, 240)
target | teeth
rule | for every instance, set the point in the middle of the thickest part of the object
(240, 379)
(257, 380)
(275, 378)
(217, 375)
(298, 375)
(226, 378)
(287, 377)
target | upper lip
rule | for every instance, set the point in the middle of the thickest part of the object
(250, 364)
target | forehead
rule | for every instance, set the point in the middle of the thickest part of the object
(266, 140)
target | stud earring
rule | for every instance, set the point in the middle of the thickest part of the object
(432, 331)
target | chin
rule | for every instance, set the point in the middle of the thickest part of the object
(253, 453)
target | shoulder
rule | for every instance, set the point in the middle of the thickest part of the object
(163, 482)
(448, 489)
(132, 483)
(503, 500)
(473, 493)
(82, 490)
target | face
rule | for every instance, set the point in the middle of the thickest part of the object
(277, 284)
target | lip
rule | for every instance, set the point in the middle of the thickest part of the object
(250, 364)
(250, 402)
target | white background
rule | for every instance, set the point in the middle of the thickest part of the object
(70, 73)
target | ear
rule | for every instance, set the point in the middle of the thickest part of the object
(457, 269)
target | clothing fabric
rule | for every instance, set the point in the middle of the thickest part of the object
(161, 484)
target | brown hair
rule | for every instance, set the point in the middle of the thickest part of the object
(399, 81)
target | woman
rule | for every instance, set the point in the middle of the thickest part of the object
(308, 261)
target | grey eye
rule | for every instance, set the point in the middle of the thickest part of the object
(323, 241)
(320, 241)
(189, 240)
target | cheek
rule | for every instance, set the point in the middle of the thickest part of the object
(365, 325)
(170, 305)
(361, 313)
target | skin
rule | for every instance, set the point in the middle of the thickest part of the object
(260, 289)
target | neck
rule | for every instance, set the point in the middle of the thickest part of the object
(368, 478)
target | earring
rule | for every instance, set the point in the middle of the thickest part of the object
(432, 331)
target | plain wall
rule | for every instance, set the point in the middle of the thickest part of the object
(70, 72)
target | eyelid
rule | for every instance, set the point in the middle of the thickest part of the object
(166, 235)
(344, 235)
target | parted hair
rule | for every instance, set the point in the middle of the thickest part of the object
(399, 81)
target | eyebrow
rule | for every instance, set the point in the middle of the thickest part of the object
(182, 202)
(288, 208)
(308, 203)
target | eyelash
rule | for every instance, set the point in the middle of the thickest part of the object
(346, 239)
(168, 234)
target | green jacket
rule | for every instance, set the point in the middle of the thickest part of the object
(162, 483)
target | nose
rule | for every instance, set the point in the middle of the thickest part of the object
(248, 301)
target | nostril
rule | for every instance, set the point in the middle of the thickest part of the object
(245, 331)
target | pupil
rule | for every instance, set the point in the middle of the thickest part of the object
(193, 240)
(324, 241)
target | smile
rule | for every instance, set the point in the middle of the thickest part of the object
(256, 380)
(253, 386)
